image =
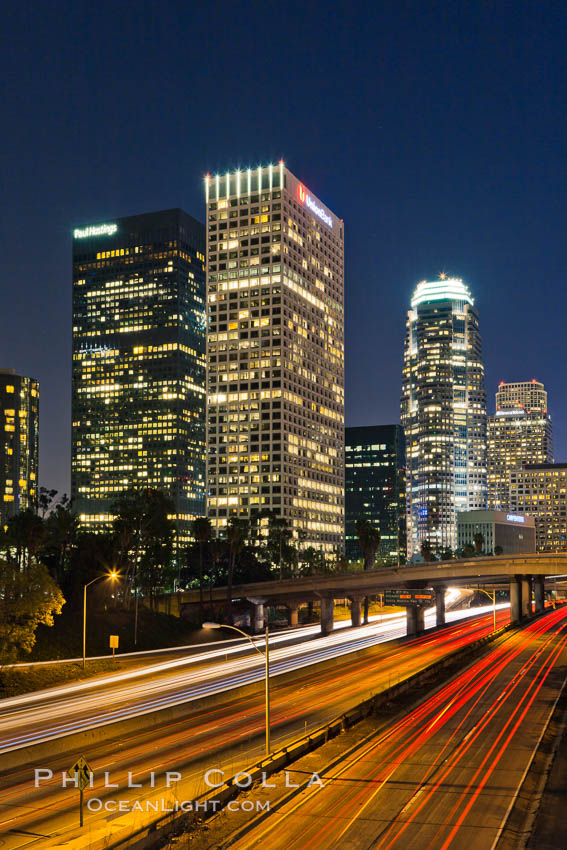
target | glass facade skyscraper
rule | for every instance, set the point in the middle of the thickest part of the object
(19, 444)
(443, 409)
(138, 406)
(375, 487)
(275, 438)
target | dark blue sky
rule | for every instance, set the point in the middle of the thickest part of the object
(437, 130)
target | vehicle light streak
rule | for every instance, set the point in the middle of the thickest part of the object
(217, 728)
(334, 810)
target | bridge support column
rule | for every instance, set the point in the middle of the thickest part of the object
(515, 596)
(526, 605)
(355, 611)
(415, 619)
(293, 615)
(440, 606)
(259, 618)
(539, 593)
(327, 615)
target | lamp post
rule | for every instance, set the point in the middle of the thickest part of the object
(267, 684)
(111, 576)
(492, 597)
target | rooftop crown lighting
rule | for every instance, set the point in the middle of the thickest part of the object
(446, 289)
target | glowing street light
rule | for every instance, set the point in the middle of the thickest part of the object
(267, 684)
(492, 597)
(112, 576)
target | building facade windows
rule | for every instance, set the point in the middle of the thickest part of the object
(540, 490)
(275, 355)
(19, 444)
(519, 432)
(443, 409)
(139, 366)
(375, 487)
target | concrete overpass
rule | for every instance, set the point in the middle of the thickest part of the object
(519, 572)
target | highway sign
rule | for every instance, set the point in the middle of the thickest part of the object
(114, 641)
(409, 597)
(82, 772)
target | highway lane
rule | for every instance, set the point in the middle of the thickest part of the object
(226, 736)
(63, 710)
(445, 774)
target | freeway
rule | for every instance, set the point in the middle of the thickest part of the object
(63, 710)
(227, 735)
(446, 773)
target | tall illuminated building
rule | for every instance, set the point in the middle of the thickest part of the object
(275, 437)
(19, 444)
(139, 364)
(375, 488)
(443, 409)
(519, 433)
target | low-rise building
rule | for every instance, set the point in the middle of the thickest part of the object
(513, 533)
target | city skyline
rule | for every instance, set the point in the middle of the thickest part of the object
(430, 173)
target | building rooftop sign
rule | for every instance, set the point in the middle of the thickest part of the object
(95, 230)
(316, 209)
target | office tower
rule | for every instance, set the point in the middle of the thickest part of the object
(375, 487)
(530, 396)
(139, 364)
(275, 435)
(519, 432)
(443, 410)
(19, 444)
(540, 490)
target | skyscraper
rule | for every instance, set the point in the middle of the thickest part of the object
(275, 354)
(375, 487)
(443, 410)
(518, 433)
(19, 444)
(530, 396)
(139, 364)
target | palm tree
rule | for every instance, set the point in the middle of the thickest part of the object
(369, 541)
(478, 542)
(201, 531)
(236, 533)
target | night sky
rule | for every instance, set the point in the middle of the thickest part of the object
(437, 130)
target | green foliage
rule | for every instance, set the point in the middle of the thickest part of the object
(23, 680)
(426, 551)
(144, 536)
(478, 542)
(28, 597)
(369, 539)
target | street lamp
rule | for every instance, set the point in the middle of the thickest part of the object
(492, 597)
(267, 654)
(111, 576)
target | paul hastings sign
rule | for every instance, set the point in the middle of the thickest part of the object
(95, 230)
